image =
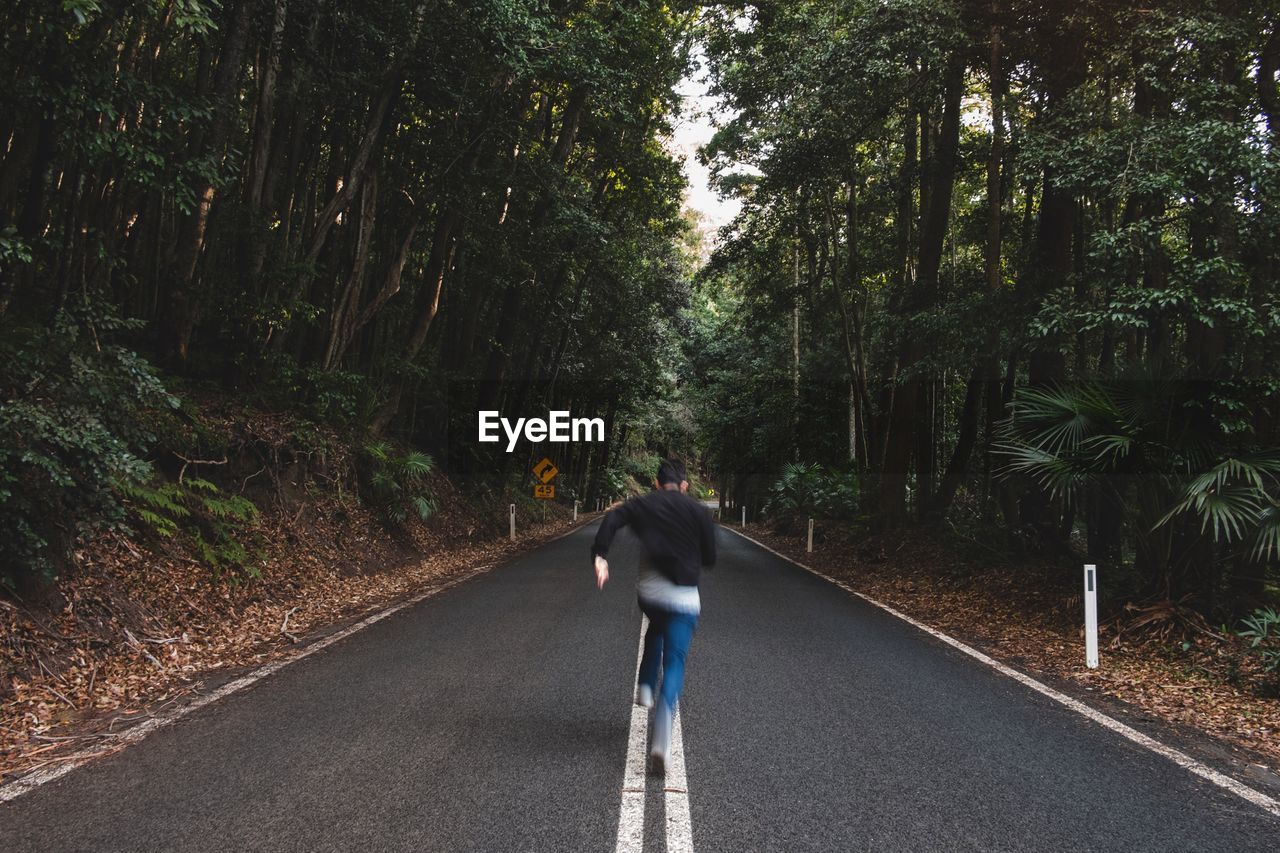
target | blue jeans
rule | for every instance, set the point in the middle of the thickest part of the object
(666, 643)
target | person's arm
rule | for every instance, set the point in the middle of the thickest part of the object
(614, 520)
(708, 538)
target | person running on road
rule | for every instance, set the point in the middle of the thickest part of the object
(678, 539)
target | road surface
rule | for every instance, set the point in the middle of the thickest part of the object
(497, 715)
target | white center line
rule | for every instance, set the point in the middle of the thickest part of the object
(675, 786)
(631, 812)
(679, 828)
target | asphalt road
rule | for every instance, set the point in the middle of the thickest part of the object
(495, 717)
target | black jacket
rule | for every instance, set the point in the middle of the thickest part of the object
(676, 531)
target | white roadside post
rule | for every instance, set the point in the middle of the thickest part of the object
(1091, 616)
(744, 516)
(809, 545)
(513, 522)
(575, 510)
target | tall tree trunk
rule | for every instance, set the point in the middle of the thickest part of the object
(985, 376)
(1268, 91)
(182, 300)
(933, 232)
(442, 244)
(795, 347)
(264, 119)
(1051, 256)
(513, 298)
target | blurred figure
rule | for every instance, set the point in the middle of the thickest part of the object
(678, 539)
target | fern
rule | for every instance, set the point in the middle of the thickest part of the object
(197, 507)
(159, 523)
(159, 504)
(233, 507)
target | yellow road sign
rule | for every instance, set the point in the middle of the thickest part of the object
(545, 470)
(544, 491)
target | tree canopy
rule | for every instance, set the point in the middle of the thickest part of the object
(1008, 262)
(387, 215)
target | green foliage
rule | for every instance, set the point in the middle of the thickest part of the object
(641, 468)
(13, 250)
(159, 504)
(810, 490)
(196, 507)
(477, 189)
(1142, 454)
(1108, 266)
(1240, 498)
(398, 482)
(1262, 630)
(616, 482)
(338, 397)
(70, 432)
(1079, 436)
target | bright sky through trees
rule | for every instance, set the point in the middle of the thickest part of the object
(693, 129)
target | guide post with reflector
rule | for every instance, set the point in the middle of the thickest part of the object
(575, 510)
(1091, 616)
(744, 516)
(513, 522)
(809, 545)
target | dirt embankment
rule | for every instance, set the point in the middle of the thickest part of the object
(1157, 660)
(138, 622)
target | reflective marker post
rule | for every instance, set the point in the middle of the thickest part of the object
(575, 510)
(513, 522)
(744, 516)
(1091, 616)
(809, 546)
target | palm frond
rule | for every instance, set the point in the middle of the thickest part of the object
(1056, 473)
(379, 451)
(1230, 510)
(1109, 450)
(1266, 538)
(425, 506)
(417, 464)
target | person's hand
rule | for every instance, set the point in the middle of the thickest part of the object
(602, 572)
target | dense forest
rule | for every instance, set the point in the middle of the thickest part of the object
(1007, 266)
(1001, 266)
(380, 216)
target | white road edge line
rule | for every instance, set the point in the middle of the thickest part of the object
(1183, 760)
(35, 779)
(631, 809)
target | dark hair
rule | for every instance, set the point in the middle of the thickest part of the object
(670, 471)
